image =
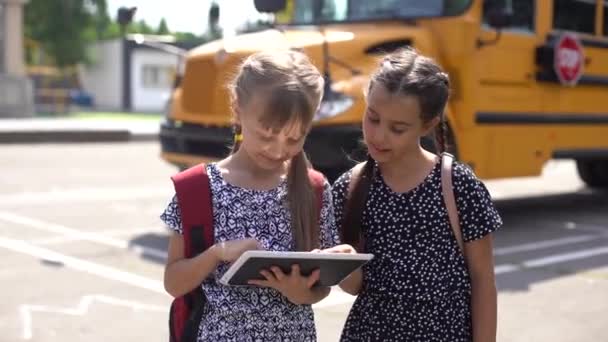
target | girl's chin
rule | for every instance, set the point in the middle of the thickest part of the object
(379, 156)
(269, 164)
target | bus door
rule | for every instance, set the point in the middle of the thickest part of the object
(508, 95)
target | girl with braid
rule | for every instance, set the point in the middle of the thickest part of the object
(420, 286)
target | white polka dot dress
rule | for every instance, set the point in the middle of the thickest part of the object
(417, 287)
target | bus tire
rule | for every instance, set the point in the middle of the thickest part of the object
(593, 172)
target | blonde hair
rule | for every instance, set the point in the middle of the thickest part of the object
(293, 88)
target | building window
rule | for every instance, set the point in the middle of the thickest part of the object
(157, 76)
(523, 13)
(574, 15)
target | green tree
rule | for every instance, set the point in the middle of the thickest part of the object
(111, 31)
(64, 28)
(162, 27)
(140, 27)
(186, 36)
(105, 26)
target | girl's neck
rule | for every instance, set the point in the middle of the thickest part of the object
(412, 163)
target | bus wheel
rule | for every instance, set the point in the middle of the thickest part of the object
(593, 172)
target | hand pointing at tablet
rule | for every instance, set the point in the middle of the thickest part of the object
(229, 251)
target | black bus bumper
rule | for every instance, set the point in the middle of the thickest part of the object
(330, 148)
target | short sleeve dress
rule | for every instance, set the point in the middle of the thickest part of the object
(417, 287)
(253, 313)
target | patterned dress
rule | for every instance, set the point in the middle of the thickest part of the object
(417, 287)
(253, 313)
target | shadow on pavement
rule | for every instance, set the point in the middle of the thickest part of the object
(527, 220)
(553, 217)
(155, 243)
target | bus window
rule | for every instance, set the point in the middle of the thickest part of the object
(328, 11)
(574, 15)
(455, 7)
(605, 18)
(523, 13)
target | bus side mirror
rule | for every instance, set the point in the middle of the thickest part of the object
(270, 6)
(500, 18)
(125, 15)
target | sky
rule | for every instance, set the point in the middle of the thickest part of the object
(185, 15)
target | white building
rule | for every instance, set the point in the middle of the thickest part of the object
(134, 74)
(15, 89)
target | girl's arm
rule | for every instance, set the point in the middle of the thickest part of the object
(352, 283)
(182, 274)
(480, 262)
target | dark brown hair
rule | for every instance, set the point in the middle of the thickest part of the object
(293, 88)
(405, 72)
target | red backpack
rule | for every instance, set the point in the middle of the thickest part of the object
(194, 198)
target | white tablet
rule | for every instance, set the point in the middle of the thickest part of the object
(334, 267)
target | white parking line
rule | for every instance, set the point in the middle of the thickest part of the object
(20, 246)
(337, 296)
(534, 246)
(550, 260)
(75, 234)
(27, 310)
(83, 195)
(559, 258)
(70, 233)
(58, 240)
(507, 268)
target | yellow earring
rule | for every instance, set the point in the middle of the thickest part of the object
(238, 137)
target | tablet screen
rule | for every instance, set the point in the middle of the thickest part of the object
(334, 267)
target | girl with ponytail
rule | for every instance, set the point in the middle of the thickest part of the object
(262, 198)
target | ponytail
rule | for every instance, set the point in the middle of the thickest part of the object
(302, 204)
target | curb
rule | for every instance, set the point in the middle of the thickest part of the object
(74, 136)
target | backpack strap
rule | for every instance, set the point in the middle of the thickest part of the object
(194, 197)
(193, 193)
(317, 180)
(449, 198)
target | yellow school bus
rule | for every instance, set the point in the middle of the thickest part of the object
(529, 78)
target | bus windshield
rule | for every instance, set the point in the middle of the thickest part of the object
(310, 12)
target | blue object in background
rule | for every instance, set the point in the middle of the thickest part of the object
(81, 98)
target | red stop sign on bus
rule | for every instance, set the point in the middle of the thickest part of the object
(569, 59)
